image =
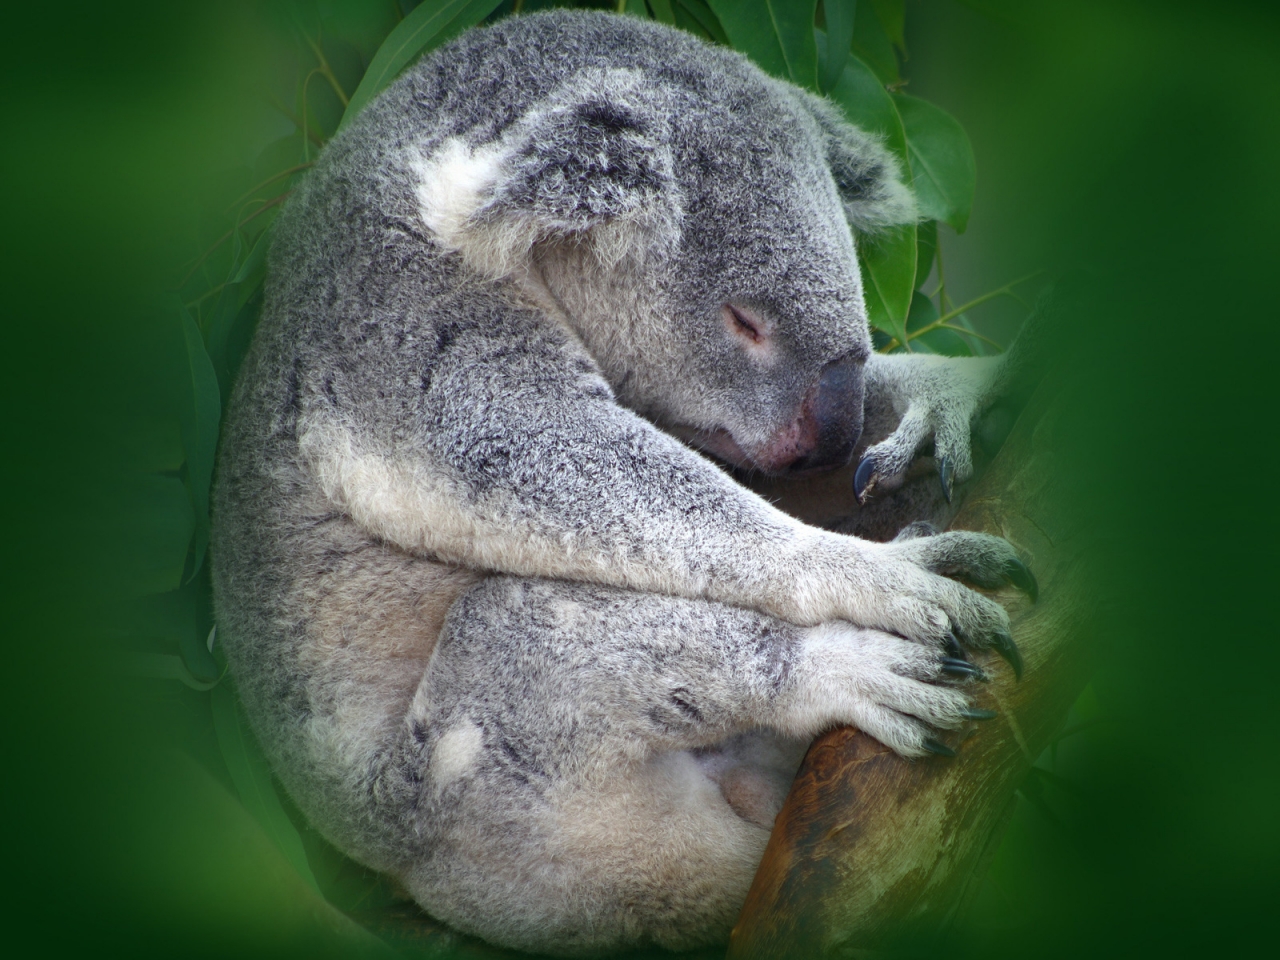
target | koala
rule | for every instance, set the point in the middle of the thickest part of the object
(502, 616)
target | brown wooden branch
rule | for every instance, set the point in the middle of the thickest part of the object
(869, 846)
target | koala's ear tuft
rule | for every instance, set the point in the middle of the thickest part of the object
(591, 162)
(868, 176)
(869, 181)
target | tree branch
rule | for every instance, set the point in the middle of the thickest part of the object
(870, 847)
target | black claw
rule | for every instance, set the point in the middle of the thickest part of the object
(977, 713)
(862, 478)
(1020, 575)
(955, 667)
(1009, 650)
(941, 749)
(945, 476)
(953, 648)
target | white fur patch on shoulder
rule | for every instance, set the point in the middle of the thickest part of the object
(452, 183)
(455, 753)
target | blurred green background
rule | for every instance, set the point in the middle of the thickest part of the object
(1140, 141)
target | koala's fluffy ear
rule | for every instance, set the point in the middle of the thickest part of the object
(867, 174)
(590, 163)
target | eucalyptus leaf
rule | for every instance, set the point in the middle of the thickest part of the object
(662, 11)
(872, 44)
(430, 24)
(151, 526)
(776, 34)
(199, 423)
(252, 777)
(888, 278)
(868, 105)
(946, 342)
(839, 34)
(705, 18)
(941, 159)
(892, 15)
(926, 248)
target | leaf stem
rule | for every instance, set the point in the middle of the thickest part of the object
(267, 182)
(325, 70)
(950, 315)
(293, 118)
(971, 333)
(228, 235)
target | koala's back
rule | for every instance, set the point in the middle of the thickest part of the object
(329, 630)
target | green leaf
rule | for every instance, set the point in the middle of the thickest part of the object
(150, 529)
(430, 24)
(199, 422)
(946, 342)
(941, 159)
(892, 15)
(662, 11)
(252, 777)
(867, 105)
(839, 34)
(254, 268)
(698, 11)
(888, 277)
(872, 44)
(889, 260)
(926, 247)
(776, 34)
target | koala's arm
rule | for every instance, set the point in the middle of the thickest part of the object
(915, 398)
(493, 442)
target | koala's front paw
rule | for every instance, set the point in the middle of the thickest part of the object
(941, 399)
(905, 587)
(982, 559)
(891, 688)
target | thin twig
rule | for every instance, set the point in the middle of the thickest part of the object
(324, 69)
(1006, 290)
(228, 235)
(293, 118)
(267, 182)
(971, 333)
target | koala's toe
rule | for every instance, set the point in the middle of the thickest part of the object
(884, 464)
(978, 557)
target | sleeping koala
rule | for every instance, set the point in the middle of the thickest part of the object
(501, 634)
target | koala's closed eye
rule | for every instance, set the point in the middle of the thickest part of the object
(744, 325)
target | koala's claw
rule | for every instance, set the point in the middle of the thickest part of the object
(946, 476)
(862, 478)
(953, 648)
(935, 746)
(1020, 575)
(1004, 645)
(977, 713)
(959, 667)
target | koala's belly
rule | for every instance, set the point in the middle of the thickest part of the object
(374, 619)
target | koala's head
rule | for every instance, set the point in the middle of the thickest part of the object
(693, 224)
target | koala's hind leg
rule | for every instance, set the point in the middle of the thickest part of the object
(592, 759)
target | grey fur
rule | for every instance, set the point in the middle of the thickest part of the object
(499, 635)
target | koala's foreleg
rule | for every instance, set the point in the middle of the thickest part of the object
(560, 728)
(541, 473)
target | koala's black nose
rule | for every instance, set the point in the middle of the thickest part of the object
(835, 404)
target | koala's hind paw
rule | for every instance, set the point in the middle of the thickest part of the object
(890, 688)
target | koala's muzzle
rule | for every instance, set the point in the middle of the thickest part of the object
(825, 433)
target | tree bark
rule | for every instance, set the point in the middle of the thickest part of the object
(870, 847)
